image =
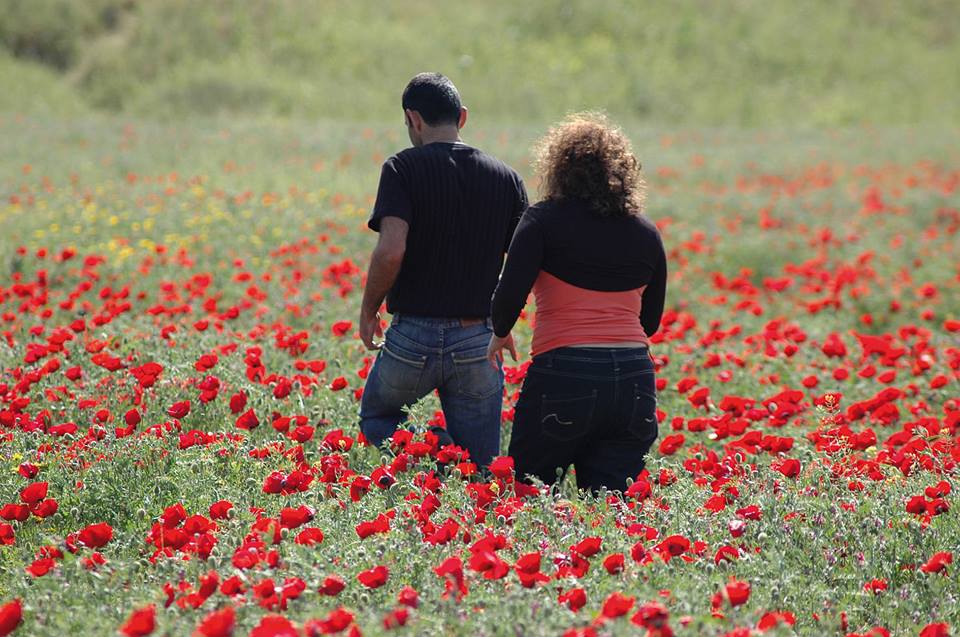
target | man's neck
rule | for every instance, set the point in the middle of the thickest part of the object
(445, 134)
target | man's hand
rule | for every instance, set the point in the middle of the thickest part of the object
(370, 328)
(496, 347)
(385, 263)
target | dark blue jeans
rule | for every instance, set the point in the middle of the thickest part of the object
(594, 408)
(421, 354)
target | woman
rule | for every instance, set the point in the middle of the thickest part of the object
(598, 272)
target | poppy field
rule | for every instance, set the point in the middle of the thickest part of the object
(179, 450)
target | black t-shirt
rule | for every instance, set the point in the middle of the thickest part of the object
(566, 239)
(462, 207)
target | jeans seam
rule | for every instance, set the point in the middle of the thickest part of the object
(551, 372)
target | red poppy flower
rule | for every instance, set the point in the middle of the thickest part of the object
(751, 512)
(379, 525)
(336, 621)
(237, 402)
(528, 563)
(790, 467)
(575, 599)
(63, 429)
(939, 629)
(375, 577)
(641, 489)
(28, 470)
(220, 510)
(132, 418)
(218, 623)
(173, 515)
(587, 546)
(310, 536)
(141, 622)
(291, 518)
(96, 559)
(488, 563)
(340, 328)
(938, 563)
(332, 585)
(409, 597)
(282, 389)
(726, 553)
(502, 467)
(528, 570)
(653, 616)
(275, 626)
(617, 605)
(7, 537)
(452, 570)
(33, 493)
(96, 535)
(773, 619)
(737, 592)
(614, 563)
(396, 618)
(40, 567)
(671, 444)
(248, 420)
(917, 505)
(179, 410)
(939, 490)
(673, 546)
(11, 614)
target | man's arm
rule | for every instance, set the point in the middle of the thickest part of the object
(385, 265)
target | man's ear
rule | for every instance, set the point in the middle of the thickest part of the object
(463, 117)
(414, 119)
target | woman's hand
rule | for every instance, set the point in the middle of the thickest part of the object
(496, 347)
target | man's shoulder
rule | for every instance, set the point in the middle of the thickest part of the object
(478, 155)
(402, 156)
(497, 164)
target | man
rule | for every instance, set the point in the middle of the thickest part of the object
(445, 212)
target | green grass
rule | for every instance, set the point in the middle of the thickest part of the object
(118, 186)
(743, 63)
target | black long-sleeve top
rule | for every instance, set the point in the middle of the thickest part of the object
(568, 240)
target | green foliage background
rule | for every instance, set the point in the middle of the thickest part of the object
(744, 63)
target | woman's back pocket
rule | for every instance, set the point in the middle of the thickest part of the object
(567, 417)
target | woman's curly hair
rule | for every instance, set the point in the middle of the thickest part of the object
(586, 157)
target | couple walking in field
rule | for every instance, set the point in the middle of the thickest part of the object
(446, 214)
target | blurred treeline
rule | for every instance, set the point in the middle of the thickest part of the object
(687, 62)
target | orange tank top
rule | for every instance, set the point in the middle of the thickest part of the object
(570, 315)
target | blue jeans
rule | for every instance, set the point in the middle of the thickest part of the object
(421, 354)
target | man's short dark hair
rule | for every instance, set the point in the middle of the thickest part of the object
(433, 96)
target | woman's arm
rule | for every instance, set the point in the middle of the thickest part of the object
(651, 308)
(523, 265)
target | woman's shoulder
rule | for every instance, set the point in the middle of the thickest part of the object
(576, 216)
(547, 209)
(647, 224)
